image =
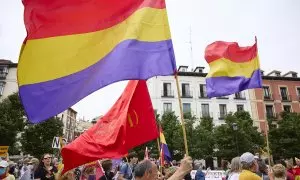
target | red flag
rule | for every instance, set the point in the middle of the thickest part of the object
(129, 123)
(146, 153)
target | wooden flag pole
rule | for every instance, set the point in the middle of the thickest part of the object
(181, 116)
(268, 144)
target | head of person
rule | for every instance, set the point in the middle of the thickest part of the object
(26, 161)
(279, 172)
(225, 164)
(46, 160)
(133, 158)
(297, 161)
(249, 162)
(4, 168)
(146, 170)
(70, 175)
(33, 164)
(107, 165)
(289, 164)
(262, 167)
(236, 165)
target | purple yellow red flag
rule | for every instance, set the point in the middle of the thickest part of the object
(164, 147)
(76, 47)
(232, 68)
(129, 123)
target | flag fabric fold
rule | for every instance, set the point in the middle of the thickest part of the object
(232, 68)
(129, 123)
(164, 147)
(76, 47)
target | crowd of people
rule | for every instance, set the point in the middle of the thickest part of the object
(245, 167)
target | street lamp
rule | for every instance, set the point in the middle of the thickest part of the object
(235, 128)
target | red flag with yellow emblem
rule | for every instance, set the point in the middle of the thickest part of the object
(129, 123)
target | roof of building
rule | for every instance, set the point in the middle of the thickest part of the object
(290, 72)
(8, 62)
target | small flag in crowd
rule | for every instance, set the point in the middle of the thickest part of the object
(129, 123)
(76, 47)
(232, 68)
(164, 146)
(146, 153)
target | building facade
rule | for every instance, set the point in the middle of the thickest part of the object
(279, 93)
(192, 84)
(8, 78)
(68, 118)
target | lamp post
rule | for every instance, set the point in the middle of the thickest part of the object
(235, 128)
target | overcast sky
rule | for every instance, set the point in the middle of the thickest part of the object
(276, 23)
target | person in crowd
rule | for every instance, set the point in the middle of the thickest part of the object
(32, 166)
(88, 173)
(4, 171)
(262, 169)
(107, 168)
(249, 167)
(127, 169)
(235, 169)
(289, 175)
(170, 171)
(279, 172)
(296, 169)
(24, 167)
(147, 170)
(200, 175)
(225, 166)
(45, 170)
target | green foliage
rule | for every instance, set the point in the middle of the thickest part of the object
(285, 140)
(11, 121)
(37, 138)
(230, 142)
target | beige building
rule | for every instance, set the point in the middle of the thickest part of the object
(8, 78)
(68, 118)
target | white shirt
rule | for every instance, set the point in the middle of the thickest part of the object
(234, 176)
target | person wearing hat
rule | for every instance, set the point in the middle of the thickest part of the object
(4, 168)
(24, 167)
(249, 167)
(32, 166)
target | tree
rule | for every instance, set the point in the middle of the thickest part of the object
(245, 138)
(37, 138)
(12, 118)
(285, 140)
(173, 134)
(190, 121)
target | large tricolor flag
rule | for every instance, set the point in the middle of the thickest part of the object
(232, 68)
(76, 47)
(164, 147)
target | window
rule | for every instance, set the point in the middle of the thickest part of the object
(167, 107)
(298, 93)
(267, 94)
(167, 90)
(186, 107)
(185, 90)
(283, 93)
(223, 111)
(1, 88)
(240, 107)
(3, 71)
(294, 75)
(205, 110)
(287, 108)
(277, 74)
(203, 93)
(239, 95)
(269, 111)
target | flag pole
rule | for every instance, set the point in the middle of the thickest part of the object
(181, 116)
(268, 144)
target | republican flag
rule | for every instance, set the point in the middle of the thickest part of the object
(164, 147)
(129, 123)
(232, 68)
(75, 47)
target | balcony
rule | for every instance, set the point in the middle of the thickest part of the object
(223, 97)
(167, 94)
(222, 115)
(268, 97)
(3, 75)
(239, 96)
(286, 98)
(187, 94)
(206, 115)
(203, 96)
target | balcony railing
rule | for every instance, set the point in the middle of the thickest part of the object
(203, 96)
(3, 75)
(206, 115)
(240, 96)
(223, 97)
(222, 115)
(286, 98)
(168, 94)
(269, 97)
(271, 115)
(187, 94)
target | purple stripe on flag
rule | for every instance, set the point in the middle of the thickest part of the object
(131, 59)
(223, 86)
(166, 152)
